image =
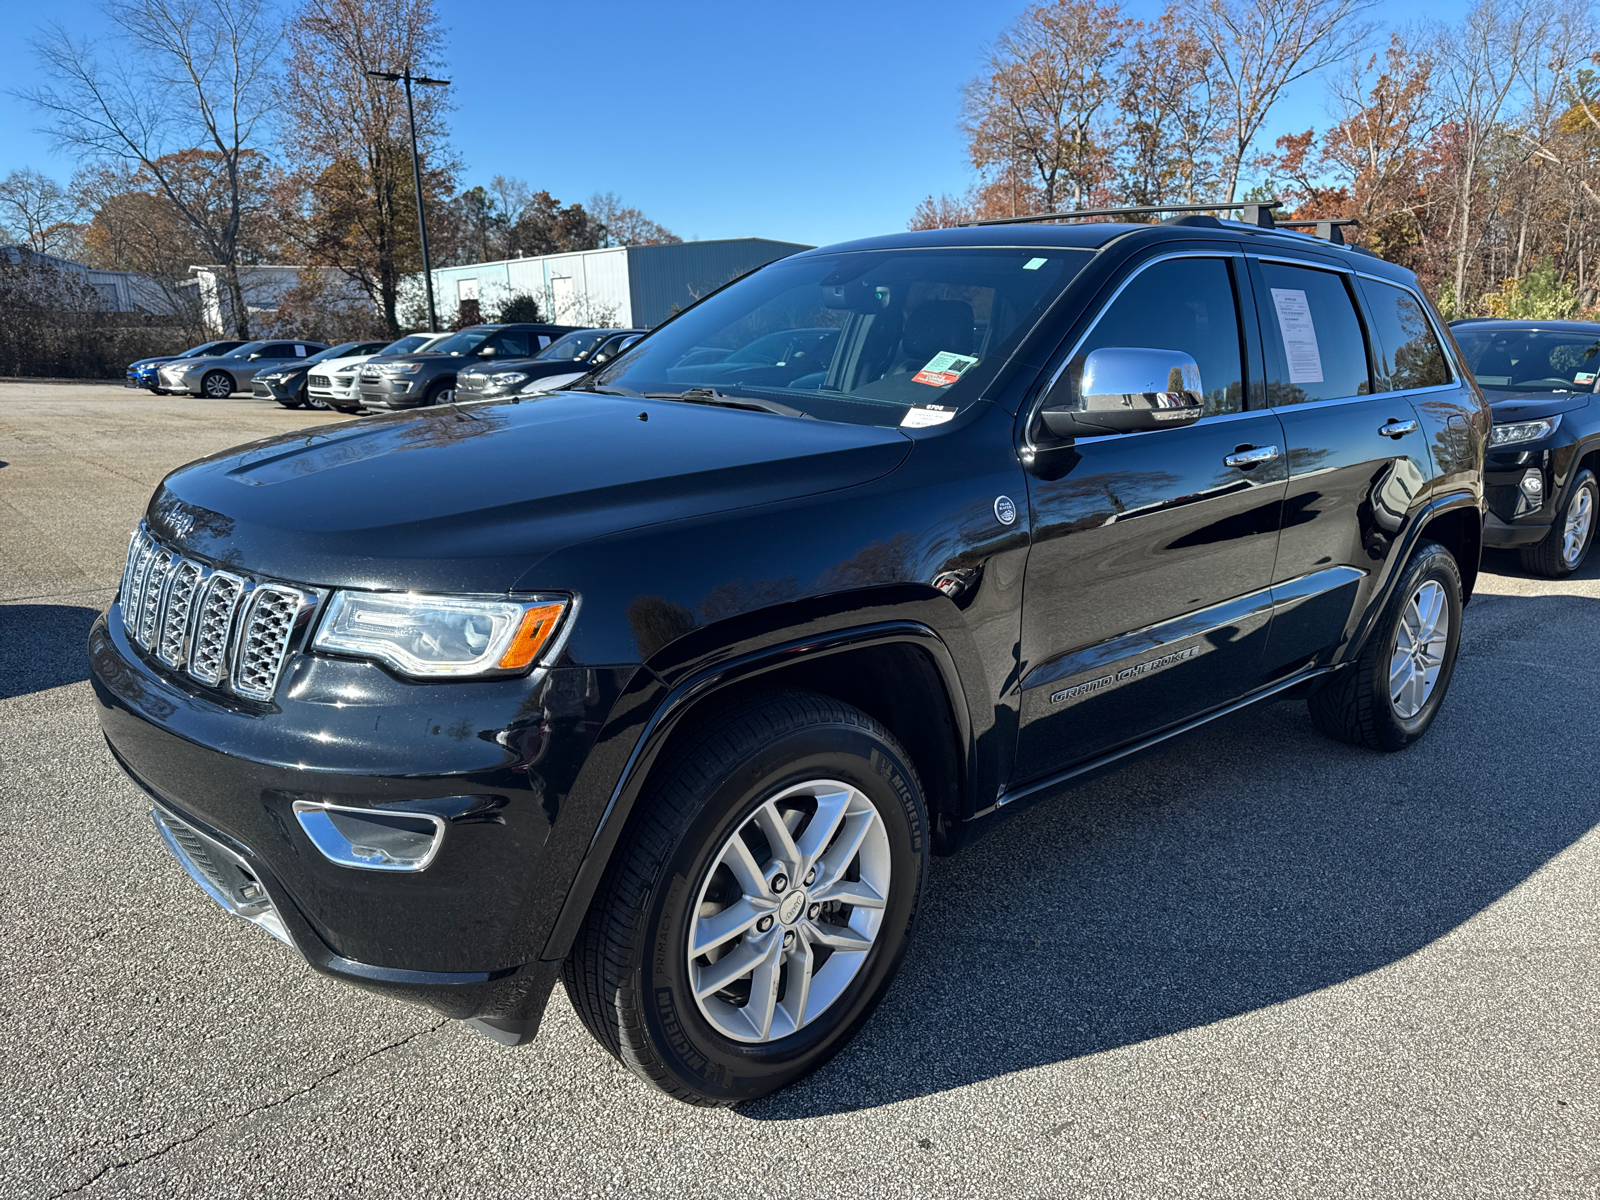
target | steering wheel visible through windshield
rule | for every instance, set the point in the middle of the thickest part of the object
(876, 337)
(1531, 360)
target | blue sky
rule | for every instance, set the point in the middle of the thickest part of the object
(811, 123)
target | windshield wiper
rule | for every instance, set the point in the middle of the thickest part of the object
(604, 389)
(705, 395)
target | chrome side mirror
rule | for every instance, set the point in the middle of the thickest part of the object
(1123, 389)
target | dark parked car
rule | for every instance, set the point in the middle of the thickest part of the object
(287, 384)
(219, 376)
(666, 687)
(1544, 454)
(413, 380)
(142, 374)
(572, 354)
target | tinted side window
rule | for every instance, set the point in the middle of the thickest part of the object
(1407, 353)
(1309, 316)
(277, 350)
(514, 344)
(1182, 304)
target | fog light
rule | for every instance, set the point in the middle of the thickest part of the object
(371, 839)
(1531, 489)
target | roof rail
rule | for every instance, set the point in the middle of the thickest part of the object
(1251, 212)
(1329, 229)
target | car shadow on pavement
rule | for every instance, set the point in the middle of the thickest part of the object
(1248, 864)
(43, 646)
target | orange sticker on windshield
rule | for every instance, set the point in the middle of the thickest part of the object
(943, 369)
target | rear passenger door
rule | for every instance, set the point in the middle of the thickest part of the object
(1358, 461)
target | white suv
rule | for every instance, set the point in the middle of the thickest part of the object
(333, 384)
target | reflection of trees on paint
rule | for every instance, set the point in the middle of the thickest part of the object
(1091, 501)
(175, 513)
(881, 562)
(656, 621)
(731, 599)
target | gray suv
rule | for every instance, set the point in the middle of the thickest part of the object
(220, 377)
(414, 380)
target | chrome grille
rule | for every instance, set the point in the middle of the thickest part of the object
(184, 586)
(268, 622)
(208, 656)
(223, 630)
(150, 596)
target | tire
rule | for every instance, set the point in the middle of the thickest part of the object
(294, 402)
(216, 385)
(440, 393)
(316, 402)
(1356, 704)
(1571, 535)
(630, 976)
(346, 409)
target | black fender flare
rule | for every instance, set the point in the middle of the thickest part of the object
(706, 682)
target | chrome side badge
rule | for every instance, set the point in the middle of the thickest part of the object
(1004, 510)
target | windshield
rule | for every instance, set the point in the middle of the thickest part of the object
(464, 342)
(209, 350)
(1531, 360)
(571, 347)
(409, 343)
(246, 350)
(343, 351)
(875, 337)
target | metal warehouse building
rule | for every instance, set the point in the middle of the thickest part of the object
(627, 286)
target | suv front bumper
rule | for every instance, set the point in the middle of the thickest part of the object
(463, 936)
(386, 391)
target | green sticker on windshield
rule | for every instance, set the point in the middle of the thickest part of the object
(944, 368)
(1033, 264)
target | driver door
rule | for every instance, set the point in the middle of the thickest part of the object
(1147, 600)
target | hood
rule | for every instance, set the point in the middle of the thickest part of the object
(151, 362)
(343, 364)
(189, 364)
(469, 498)
(410, 358)
(1530, 406)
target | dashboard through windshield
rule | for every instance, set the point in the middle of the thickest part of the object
(1531, 360)
(876, 337)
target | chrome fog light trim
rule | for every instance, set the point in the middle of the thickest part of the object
(221, 874)
(371, 839)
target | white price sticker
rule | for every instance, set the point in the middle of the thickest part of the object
(1299, 335)
(920, 416)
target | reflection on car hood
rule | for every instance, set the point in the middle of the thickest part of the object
(1530, 406)
(467, 499)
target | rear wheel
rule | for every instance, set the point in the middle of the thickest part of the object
(217, 385)
(758, 910)
(1388, 698)
(1567, 544)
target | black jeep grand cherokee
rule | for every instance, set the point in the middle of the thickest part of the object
(669, 689)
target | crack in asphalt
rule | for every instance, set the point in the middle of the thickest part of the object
(249, 1112)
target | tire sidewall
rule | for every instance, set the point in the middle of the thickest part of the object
(720, 1068)
(1436, 564)
(206, 391)
(1585, 480)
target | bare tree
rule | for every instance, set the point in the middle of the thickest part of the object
(1263, 46)
(627, 226)
(41, 211)
(1171, 121)
(185, 74)
(1042, 105)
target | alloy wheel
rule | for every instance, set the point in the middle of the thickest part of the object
(217, 386)
(1580, 517)
(789, 911)
(1421, 641)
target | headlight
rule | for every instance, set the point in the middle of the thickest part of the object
(1523, 431)
(507, 379)
(399, 368)
(276, 377)
(435, 637)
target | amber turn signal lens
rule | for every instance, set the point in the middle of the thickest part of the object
(538, 623)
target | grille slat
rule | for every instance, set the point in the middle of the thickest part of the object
(219, 628)
(264, 640)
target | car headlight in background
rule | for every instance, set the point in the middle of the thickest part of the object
(1518, 432)
(441, 637)
(507, 379)
(274, 377)
(399, 368)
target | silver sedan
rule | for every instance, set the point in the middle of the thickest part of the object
(220, 377)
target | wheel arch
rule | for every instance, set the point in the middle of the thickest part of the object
(898, 672)
(1460, 531)
(233, 382)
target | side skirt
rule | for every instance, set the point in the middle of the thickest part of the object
(1040, 787)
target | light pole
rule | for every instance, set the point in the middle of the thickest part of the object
(408, 79)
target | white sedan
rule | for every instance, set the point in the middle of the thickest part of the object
(333, 384)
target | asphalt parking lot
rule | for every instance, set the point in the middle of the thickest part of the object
(1256, 963)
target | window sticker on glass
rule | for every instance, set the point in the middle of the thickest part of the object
(943, 369)
(299, 351)
(1033, 264)
(1584, 377)
(920, 416)
(1299, 335)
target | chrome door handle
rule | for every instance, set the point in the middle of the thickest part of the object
(1245, 459)
(1397, 429)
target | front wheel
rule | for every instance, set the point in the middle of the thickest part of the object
(1389, 696)
(440, 393)
(217, 385)
(1567, 544)
(761, 904)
